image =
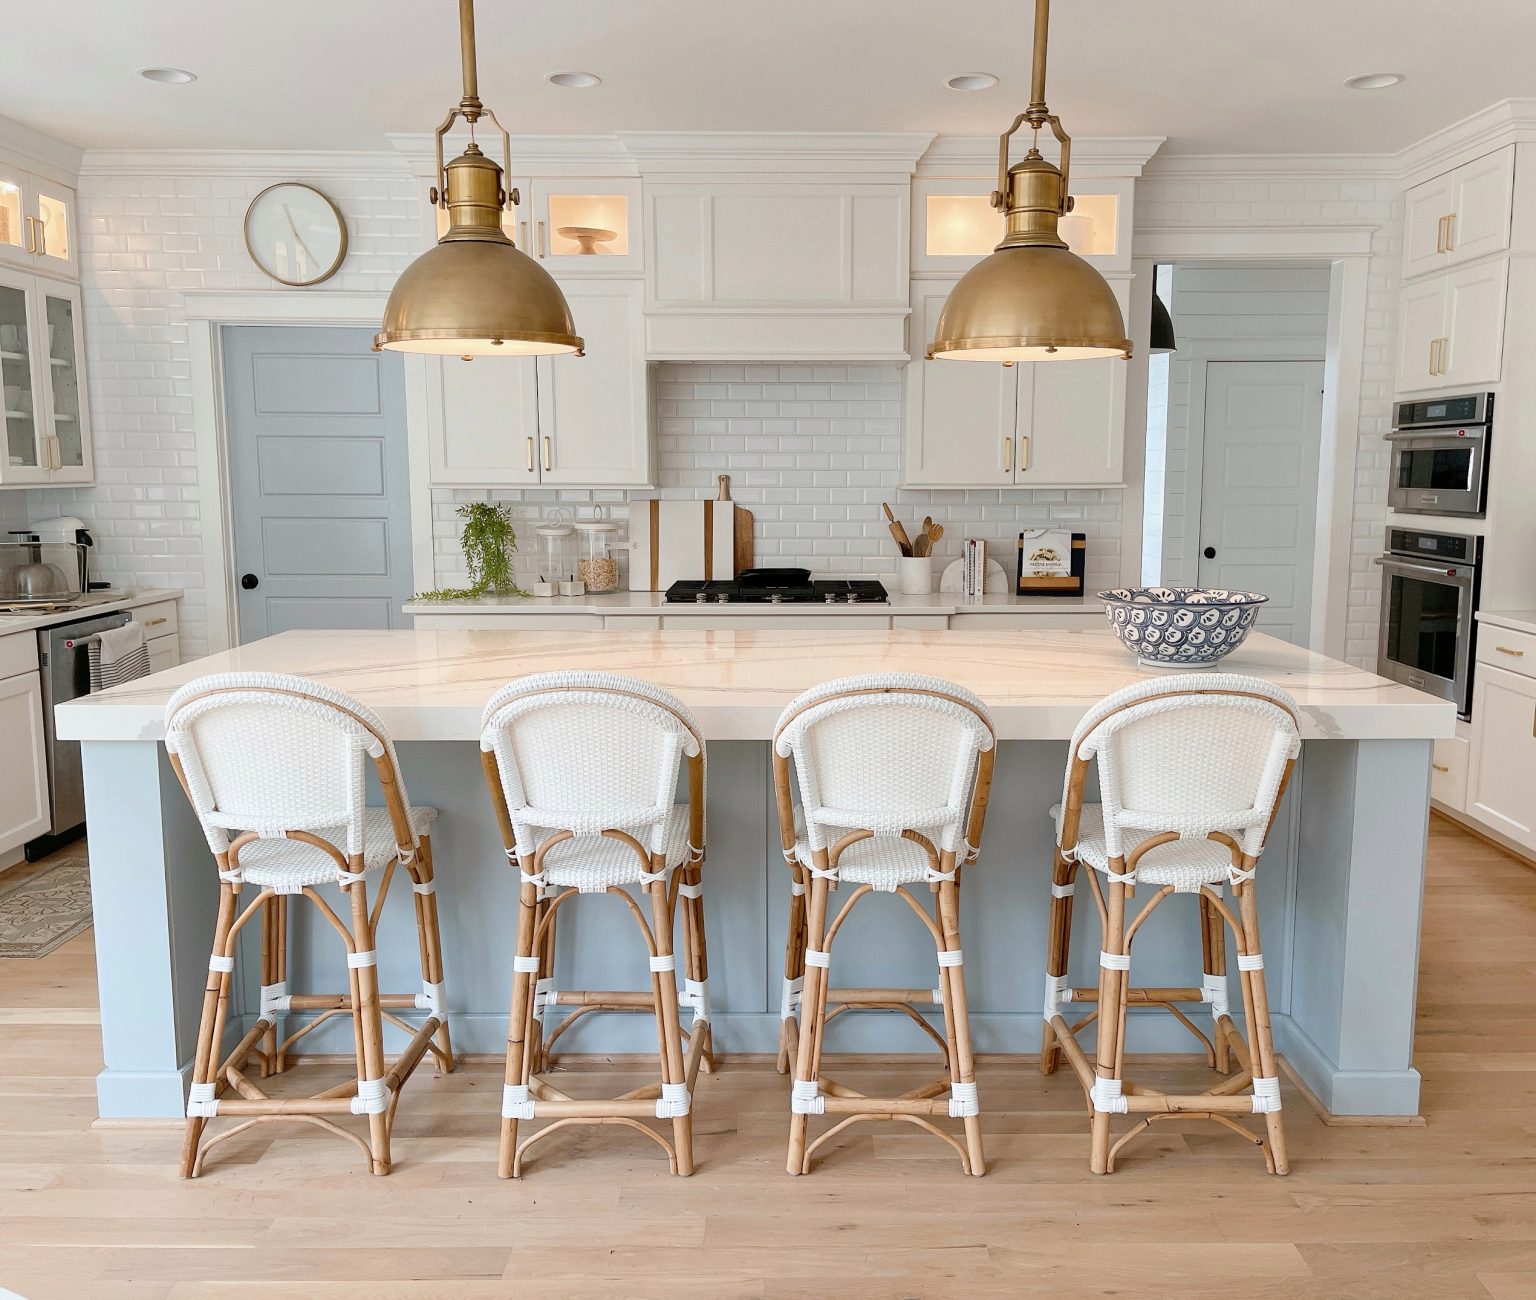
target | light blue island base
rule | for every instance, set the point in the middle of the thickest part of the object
(1340, 886)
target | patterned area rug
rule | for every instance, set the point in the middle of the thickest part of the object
(45, 910)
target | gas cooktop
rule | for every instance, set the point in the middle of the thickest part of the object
(777, 587)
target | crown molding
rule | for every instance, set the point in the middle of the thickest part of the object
(1273, 167)
(713, 152)
(264, 163)
(1217, 243)
(39, 153)
(1510, 121)
(538, 155)
(1099, 156)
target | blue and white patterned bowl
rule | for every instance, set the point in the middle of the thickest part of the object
(1180, 627)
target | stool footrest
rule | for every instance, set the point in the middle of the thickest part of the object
(885, 1105)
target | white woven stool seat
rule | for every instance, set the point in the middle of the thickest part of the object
(883, 861)
(1184, 864)
(292, 864)
(593, 862)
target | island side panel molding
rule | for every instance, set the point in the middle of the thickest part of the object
(154, 893)
(1359, 906)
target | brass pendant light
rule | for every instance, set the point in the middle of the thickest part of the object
(1033, 299)
(476, 293)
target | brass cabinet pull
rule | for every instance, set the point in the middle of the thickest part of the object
(1008, 455)
(1445, 349)
(522, 235)
(547, 464)
(1507, 650)
(1433, 345)
(31, 235)
(530, 455)
(1440, 767)
(1440, 235)
(1450, 226)
(42, 236)
(543, 241)
(1023, 453)
(154, 622)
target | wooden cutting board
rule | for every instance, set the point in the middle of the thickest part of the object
(745, 548)
(675, 540)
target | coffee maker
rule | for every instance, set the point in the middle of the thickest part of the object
(69, 530)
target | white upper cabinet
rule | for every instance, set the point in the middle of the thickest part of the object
(1451, 328)
(763, 271)
(584, 226)
(1042, 424)
(37, 223)
(525, 421)
(47, 420)
(1461, 215)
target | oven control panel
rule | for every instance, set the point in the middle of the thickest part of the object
(1453, 548)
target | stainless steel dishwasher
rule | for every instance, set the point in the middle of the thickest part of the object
(66, 675)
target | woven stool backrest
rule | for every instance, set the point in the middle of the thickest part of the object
(1200, 754)
(588, 752)
(271, 753)
(886, 752)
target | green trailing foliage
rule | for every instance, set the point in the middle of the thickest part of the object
(488, 541)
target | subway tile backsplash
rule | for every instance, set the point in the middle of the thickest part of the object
(812, 451)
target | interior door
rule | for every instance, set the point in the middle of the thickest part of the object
(318, 479)
(1258, 492)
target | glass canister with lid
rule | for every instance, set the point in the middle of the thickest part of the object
(597, 567)
(557, 557)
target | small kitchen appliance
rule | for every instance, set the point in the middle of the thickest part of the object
(1429, 587)
(1440, 456)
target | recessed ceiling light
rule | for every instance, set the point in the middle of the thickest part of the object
(972, 81)
(574, 80)
(1375, 80)
(168, 76)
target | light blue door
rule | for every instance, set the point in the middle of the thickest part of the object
(318, 479)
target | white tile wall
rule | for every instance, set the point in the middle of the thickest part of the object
(813, 451)
(1172, 201)
(145, 241)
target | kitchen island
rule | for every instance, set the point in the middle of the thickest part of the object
(1340, 885)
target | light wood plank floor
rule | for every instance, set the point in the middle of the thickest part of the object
(1445, 1210)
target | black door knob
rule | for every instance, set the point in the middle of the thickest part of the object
(1209, 553)
(249, 581)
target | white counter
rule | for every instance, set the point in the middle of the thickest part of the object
(11, 623)
(1516, 620)
(431, 685)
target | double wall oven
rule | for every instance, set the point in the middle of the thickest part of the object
(1440, 456)
(1428, 599)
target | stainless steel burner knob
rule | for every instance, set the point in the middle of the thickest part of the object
(699, 598)
(723, 598)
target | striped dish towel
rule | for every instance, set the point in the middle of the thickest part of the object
(116, 656)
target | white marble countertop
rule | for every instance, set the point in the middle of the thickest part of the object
(619, 603)
(1516, 620)
(10, 623)
(431, 685)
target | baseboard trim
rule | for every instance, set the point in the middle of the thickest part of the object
(1345, 1121)
(1477, 832)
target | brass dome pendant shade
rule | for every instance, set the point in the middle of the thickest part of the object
(476, 294)
(1033, 299)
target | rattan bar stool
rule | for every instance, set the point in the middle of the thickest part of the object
(583, 769)
(273, 766)
(893, 771)
(1191, 772)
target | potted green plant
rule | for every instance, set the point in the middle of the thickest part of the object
(488, 542)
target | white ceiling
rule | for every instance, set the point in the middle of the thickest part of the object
(1214, 76)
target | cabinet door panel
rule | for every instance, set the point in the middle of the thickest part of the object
(1071, 423)
(61, 341)
(1483, 198)
(1420, 320)
(960, 414)
(1504, 754)
(1423, 225)
(483, 420)
(53, 207)
(16, 237)
(23, 390)
(590, 206)
(24, 792)
(592, 409)
(1474, 324)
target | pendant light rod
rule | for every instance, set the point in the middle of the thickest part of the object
(1037, 110)
(470, 105)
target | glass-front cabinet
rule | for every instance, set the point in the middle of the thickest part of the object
(37, 223)
(47, 425)
(582, 225)
(955, 225)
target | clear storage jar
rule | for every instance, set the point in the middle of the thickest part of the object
(557, 559)
(597, 567)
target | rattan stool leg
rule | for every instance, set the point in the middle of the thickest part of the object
(429, 939)
(521, 1025)
(794, 974)
(1057, 954)
(813, 1016)
(1112, 987)
(957, 1018)
(664, 990)
(1213, 944)
(271, 934)
(696, 959)
(210, 1031)
(370, 1024)
(1256, 1006)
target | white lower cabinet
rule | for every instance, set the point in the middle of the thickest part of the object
(1448, 774)
(1501, 790)
(24, 812)
(164, 652)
